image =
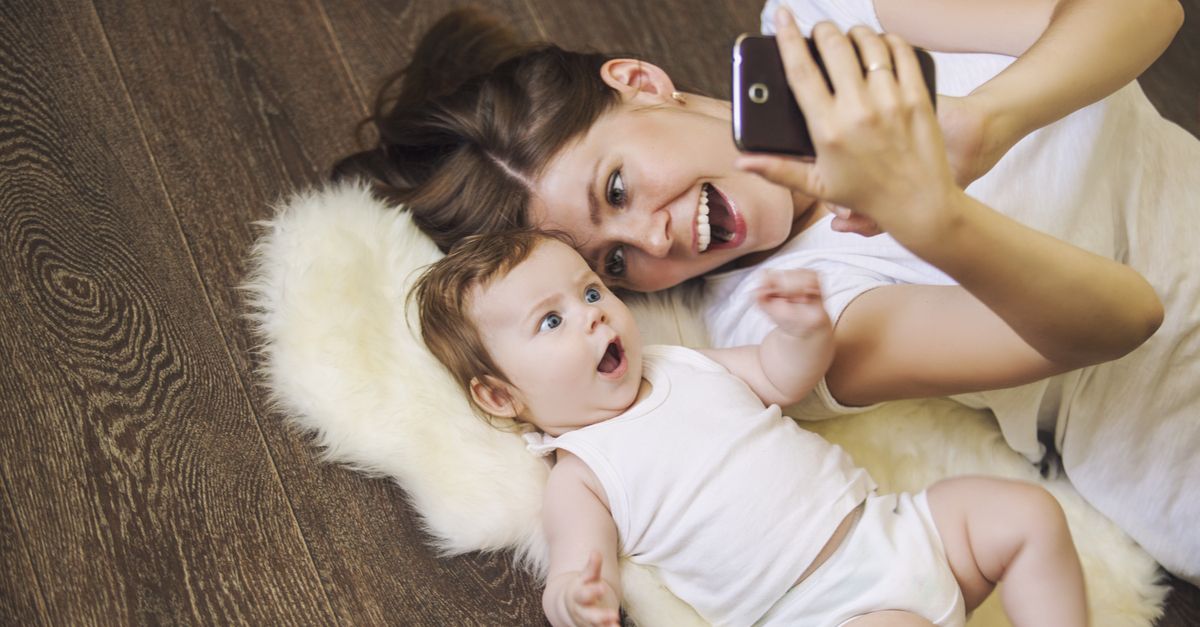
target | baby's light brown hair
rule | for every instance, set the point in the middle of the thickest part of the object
(443, 298)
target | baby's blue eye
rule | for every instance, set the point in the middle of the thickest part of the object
(591, 295)
(551, 321)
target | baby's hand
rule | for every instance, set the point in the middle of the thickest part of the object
(590, 600)
(792, 299)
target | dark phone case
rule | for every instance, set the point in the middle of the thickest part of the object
(775, 123)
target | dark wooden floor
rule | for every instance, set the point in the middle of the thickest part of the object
(143, 478)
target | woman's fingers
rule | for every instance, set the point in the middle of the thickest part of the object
(786, 171)
(847, 221)
(908, 73)
(841, 62)
(803, 75)
(918, 108)
(877, 65)
(873, 53)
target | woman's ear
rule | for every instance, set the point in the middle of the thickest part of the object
(637, 81)
(496, 397)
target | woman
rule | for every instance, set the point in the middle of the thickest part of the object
(956, 298)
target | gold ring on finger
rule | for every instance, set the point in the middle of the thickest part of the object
(875, 67)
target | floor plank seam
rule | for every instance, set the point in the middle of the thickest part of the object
(363, 98)
(42, 604)
(533, 12)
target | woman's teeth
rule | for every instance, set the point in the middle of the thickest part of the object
(713, 224)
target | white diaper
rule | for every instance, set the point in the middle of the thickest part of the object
(892, 559)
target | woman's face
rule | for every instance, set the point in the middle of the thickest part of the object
(632, 189)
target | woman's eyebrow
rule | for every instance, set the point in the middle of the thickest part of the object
(593, 201)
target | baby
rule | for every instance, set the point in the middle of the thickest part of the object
(681, 460)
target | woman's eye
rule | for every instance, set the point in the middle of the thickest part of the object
(614, 263)
(551, 321)
(616, 189)
(591, 295)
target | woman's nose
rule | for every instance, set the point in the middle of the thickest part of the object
(654, 238)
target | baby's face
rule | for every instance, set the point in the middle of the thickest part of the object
(568, 345)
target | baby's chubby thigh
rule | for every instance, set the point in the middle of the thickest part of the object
(986, 522)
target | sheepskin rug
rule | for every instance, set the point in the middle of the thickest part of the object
(326, 292)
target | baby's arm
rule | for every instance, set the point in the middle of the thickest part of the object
(792, 359)
(584, 582)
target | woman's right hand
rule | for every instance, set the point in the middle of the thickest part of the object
(880, 152)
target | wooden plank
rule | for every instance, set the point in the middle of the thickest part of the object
(20, 593)
(376, 39)
(143, 487)
(263, 107)
(381, 539)
(1183, 605)
(692, 41)
(1173, 82)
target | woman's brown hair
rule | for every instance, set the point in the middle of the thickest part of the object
(472, 120)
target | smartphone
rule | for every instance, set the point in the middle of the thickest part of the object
(766, 117)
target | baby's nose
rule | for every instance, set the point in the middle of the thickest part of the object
(596, 317)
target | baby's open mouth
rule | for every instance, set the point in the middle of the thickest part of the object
(716, 224)
(613, 357)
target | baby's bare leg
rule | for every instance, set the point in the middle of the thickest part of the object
(890, 618)
(997, 529)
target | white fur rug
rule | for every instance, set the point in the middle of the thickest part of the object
(326, 292)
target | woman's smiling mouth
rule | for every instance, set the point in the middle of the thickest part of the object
(717, 224)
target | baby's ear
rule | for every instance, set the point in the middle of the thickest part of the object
(495, 397)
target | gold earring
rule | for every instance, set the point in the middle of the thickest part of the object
(679, 97)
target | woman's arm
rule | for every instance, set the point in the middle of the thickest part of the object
(584, 583)
(1029, 306)
(1071, 54)
(879, 153)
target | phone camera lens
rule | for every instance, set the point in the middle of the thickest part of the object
(759, 93)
